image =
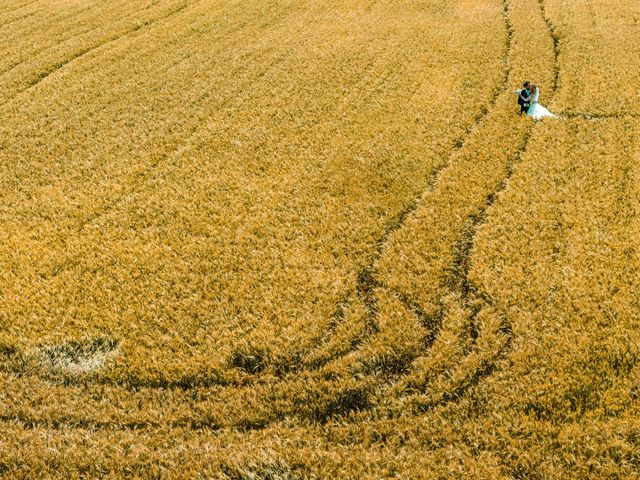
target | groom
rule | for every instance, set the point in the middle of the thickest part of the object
(524, 98)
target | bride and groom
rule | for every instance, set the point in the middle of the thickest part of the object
(528, 101)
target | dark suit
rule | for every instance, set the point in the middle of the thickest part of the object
(524, 100)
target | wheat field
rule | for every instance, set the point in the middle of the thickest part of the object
(302, 239)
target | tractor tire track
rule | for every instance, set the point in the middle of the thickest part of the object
(555, 37)
(17, 19)
(20, 16)
(70, 35)
(56, 67)
(203, 379)
(599, 116)
(367, 283)
(366, 280)
(473, 298)
(433, 324)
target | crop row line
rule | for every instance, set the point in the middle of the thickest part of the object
(201, 379)
(78, 55)
(467, 288)
(599, 116)
(368, 284)
(366, 278)
(69, 34)
(469, 296)
(17, 19)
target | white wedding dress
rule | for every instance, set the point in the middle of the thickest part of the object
(536, 110)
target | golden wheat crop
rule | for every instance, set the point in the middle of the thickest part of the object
(296, 239)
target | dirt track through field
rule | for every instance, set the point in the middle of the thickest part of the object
(456, 282)
(369, 286)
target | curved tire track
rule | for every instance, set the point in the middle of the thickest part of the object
(366, 279)
(367, 283)
(472, 298)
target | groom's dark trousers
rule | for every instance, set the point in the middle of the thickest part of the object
(524, 99)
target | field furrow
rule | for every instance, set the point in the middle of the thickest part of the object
(364, 352)
(403, 90)
(313, 239)
(29, 64)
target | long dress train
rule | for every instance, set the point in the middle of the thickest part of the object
(536, 110)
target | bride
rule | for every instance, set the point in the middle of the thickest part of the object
(536, 110)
